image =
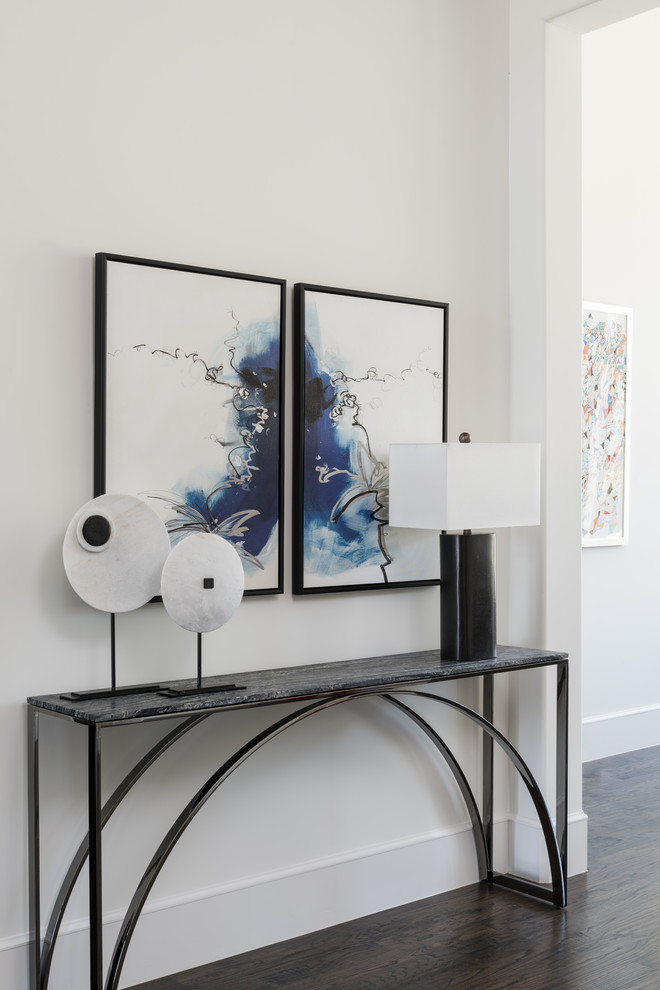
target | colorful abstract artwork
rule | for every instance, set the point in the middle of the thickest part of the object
(189, 402)
(605, 391)
(370, 371)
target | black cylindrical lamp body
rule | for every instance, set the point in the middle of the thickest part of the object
(467, 596)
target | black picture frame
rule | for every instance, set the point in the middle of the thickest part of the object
(370, 370)
(189, 402)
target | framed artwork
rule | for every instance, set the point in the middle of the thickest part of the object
(188, 402)
(371, 370)
(606, 334)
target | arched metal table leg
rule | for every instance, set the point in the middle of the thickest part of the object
(211, 785)
(483, 861)
(82, 852)
(557, 872)
(194, 805)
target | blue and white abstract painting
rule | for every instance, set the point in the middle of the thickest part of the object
(373, 371)
(193, 404)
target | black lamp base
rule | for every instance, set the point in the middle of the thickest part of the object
(467, 596)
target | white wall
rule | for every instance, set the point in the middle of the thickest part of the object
(353, 145)
(621, 259)
(544, 236)
(366, 144)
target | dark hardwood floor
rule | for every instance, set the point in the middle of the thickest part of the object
(478, 938)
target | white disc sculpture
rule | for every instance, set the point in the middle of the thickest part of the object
(114, 551)
(202, 582)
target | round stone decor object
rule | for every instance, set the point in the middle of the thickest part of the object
(202, 583)
(114, 550)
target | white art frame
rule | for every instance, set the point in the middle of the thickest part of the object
(606, 359)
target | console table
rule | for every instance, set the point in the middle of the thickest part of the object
(396, 679)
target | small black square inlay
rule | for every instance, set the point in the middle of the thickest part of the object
(209, 583)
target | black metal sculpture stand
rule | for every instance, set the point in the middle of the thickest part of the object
(199, 688)
(113, 691)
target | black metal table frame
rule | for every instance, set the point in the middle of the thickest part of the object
(392, 690)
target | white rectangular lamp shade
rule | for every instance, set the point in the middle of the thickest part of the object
(459, 486)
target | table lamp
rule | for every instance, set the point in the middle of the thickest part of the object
(465, 486)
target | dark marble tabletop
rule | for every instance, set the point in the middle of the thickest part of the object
(289, 683)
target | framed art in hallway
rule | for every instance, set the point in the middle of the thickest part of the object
(606, 347)
(188, 402)
(370, 370)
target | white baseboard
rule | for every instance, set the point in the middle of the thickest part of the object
(205, 925)
(620, 732)
(527, 852)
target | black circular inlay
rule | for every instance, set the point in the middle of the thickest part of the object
(96, 531)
